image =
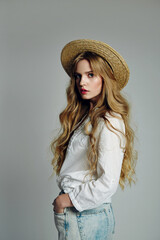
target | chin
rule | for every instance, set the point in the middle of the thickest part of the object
(85, 97)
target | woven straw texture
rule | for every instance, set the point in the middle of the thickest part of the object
(118, 64)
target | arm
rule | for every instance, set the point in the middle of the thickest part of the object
(110, 156)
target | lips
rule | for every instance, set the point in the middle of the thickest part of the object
(83, 90)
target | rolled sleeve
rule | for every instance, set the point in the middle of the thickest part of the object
(111, 147)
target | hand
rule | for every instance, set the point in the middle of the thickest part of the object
(57, 206)
(61, 202)
(58, 210)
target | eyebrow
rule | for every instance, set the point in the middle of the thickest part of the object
(85, 72)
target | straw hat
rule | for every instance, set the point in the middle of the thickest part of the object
(118, 64)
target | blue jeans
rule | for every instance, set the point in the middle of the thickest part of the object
(93, 224)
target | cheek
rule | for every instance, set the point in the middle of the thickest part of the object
(98, 85)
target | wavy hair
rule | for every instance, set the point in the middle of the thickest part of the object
(110, 101)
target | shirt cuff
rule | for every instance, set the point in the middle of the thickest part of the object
(74, 202)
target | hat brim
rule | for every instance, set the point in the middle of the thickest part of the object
(118, 64)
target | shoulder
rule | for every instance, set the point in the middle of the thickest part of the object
(115, 120)
(111, 131)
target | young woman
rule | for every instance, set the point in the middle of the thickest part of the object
(94, 151)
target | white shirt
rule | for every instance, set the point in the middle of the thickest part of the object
(93, 192)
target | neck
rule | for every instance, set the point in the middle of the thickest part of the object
(93, 102)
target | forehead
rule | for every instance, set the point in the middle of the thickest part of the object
(83, 66)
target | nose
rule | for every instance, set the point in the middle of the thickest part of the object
(83, 81)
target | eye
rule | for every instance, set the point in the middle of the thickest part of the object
(90, 75)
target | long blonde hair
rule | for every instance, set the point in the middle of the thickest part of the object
(111, 101)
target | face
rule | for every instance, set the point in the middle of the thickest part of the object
(88, 84)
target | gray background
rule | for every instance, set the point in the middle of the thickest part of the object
(32, 94)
